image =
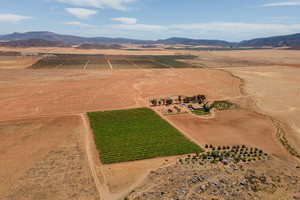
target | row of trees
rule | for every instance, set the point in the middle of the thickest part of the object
(181, 99)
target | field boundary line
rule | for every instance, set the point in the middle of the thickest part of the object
(111, 67)
(134, 64)
(88, 152)
(86, 64)
(162, 64)
(62, 64)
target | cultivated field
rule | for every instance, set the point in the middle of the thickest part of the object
(134, 134)
(72, 61)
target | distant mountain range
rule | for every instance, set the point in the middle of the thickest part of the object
(33, 43)
(277, 41)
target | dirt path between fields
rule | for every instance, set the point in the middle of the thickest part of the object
(61, 64)
(100, 189)
(86, 64)
(134, 64)
(110, 66)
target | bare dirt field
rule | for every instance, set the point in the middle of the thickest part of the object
(44, 92)
(246, 58)
(44, 158)
(231, 127)
(12, 62)
(43, 148)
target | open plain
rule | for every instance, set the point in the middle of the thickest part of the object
(47, 149)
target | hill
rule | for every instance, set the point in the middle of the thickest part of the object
(33, 43)
(99, 46)
(276, 41)
(187, 41)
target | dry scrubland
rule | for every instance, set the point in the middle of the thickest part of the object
(43, 140)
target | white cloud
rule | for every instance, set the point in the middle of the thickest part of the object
(287, 3)
(80, 24)
(137, 27)
(125, 20)
(130, 24)
(114, 4)
(81, 13)
(10, 18)
(235, 28)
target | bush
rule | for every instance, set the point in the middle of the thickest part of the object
(210, 146)
(249, 159)
(224, 147)
(225, 163)
(219, 148)
(206, 146)
(213, 148)
(228, 147)
(260, 151)
(220, 159)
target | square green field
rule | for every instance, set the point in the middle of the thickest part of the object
(134, 134)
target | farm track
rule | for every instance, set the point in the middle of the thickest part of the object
(134, 64)
(101, 190)
(61, 64)
(111, 67)
(86, 64)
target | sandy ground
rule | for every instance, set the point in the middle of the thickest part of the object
(43, 92)
(12, 62)
(44, 158)
(275, 92)
(230, 128)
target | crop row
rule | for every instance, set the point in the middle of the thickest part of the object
(134, 134)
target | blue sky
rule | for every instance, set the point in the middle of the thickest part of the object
(232, 20)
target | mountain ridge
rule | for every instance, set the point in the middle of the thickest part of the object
(275, 41)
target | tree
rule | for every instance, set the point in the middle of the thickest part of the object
(206, 107)
(180, 99)
(193, 98)
(154, 102)
(169, 101)
(163, 101)
(186, 100)
(159, 103)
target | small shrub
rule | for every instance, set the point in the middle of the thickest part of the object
(249, 159)
(219, 148)
(206, 146)
(220, 159)
(210, 146)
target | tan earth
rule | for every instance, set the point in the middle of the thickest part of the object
(46, 142)
(12, 62)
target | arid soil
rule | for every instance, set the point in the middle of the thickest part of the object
(229, 128)
(42, 92)
(260, 180)
(12, 62)
(44, 151)
(44, 158)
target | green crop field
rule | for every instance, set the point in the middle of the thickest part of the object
(134, 134)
